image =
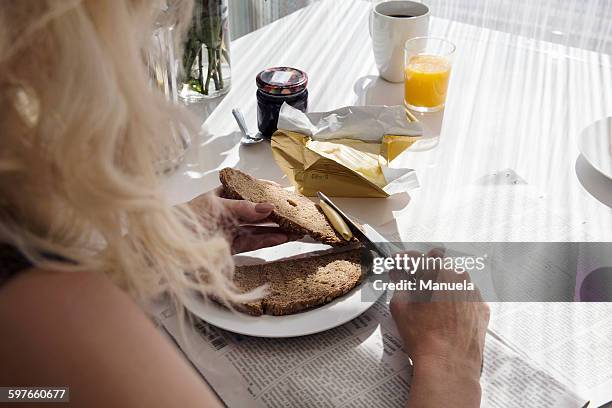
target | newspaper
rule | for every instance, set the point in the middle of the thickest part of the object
(572, 341)
(358, 364)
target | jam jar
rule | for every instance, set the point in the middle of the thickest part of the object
(274, 87)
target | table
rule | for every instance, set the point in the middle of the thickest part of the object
(503, 163)
(515, 105)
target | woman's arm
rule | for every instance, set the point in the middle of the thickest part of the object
(444, 335)
(441, 382)
(79, 330)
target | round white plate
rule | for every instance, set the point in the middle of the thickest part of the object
(312, 321)
(595, 144)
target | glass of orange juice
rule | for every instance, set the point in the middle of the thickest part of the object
(427, 68)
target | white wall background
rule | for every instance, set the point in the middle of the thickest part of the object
(249, 15)
(576, 23)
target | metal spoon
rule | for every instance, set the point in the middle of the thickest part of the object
(248, 138)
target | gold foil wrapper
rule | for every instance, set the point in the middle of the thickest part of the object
(341, 167)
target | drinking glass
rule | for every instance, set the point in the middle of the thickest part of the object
(427, 68)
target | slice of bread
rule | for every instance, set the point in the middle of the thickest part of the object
(293, 212)
(298, 284)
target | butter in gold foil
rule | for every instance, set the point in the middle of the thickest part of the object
(345, 153)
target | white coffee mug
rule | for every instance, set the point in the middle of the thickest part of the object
(393, 23)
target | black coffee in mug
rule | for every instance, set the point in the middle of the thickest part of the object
(400, 16)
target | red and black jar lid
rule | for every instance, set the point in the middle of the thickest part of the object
(282, 81)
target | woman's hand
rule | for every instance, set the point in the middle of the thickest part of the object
(242, 233)
(443, 332)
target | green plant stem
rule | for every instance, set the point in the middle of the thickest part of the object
(206, 31)
(219, 70)
(212, 62)
(200, 79)
(209, 72)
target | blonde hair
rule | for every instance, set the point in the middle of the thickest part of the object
(81, 131)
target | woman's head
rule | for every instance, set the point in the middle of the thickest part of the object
(81, 132)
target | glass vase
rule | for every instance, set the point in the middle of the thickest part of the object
(206, 69)
(163, 70)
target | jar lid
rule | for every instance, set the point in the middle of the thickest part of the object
(282, 80)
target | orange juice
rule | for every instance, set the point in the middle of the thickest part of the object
(426, 80)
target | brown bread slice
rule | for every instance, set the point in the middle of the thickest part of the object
(299, 284)
(293, 212)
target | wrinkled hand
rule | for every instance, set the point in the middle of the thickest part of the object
(243, 234)
(443, 333)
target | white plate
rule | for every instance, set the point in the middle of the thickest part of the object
(312, 321)
(595, 144)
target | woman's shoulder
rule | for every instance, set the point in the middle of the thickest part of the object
(80, 330)
(47, 313)
(30, 283)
